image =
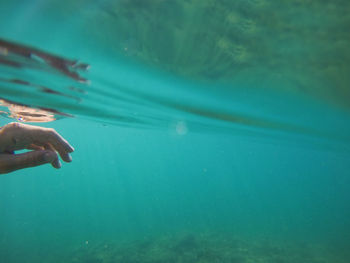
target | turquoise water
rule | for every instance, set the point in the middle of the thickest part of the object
(209, 131)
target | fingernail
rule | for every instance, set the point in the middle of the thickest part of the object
(69, 158)
(57, 164)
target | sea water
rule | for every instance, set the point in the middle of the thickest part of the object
(209, 131)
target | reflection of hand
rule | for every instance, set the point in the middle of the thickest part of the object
(45, 143)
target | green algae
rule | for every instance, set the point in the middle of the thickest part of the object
(207, 248)
(305, 43)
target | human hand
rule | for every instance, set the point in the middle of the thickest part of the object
(45, 143)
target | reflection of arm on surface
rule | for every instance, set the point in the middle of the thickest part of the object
(65, 66)
(26, 114)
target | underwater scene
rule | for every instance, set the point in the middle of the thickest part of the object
(204, 131)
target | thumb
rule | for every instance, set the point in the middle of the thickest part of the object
(12, 162)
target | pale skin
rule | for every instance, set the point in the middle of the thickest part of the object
(45, 145)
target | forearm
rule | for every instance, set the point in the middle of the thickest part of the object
(43, 144)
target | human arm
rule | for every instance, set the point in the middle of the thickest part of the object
(45, 143)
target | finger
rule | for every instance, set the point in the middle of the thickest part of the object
(56, 163)
(64, 155)
(57, 141)
(9, 162)
(35, 147)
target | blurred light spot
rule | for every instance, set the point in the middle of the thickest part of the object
(181, 128)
